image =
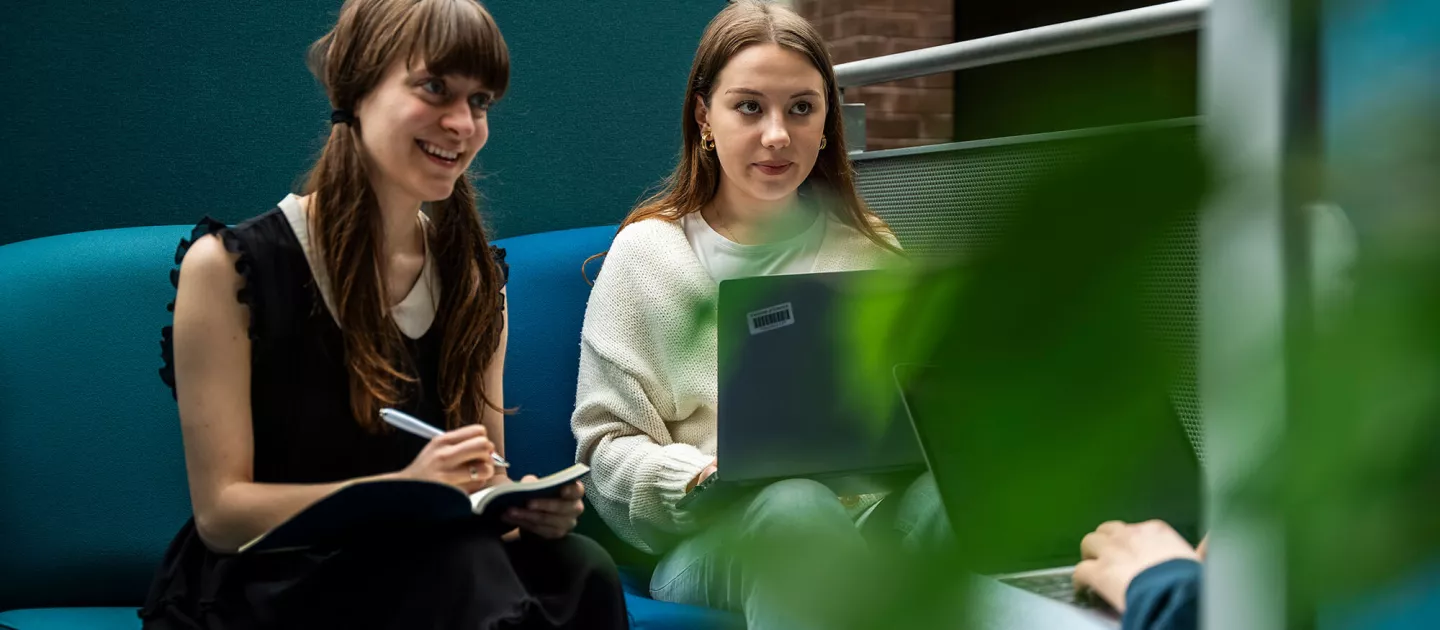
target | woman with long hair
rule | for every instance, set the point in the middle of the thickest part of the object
(376, 287)
(763, 186)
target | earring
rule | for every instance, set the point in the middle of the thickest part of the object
(822, 141)
(707, 141)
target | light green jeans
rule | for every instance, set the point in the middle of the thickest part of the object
(787, 556)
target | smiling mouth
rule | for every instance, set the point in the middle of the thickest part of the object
(449, 157)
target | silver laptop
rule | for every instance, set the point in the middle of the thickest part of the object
(1040, 560)
(789, 406)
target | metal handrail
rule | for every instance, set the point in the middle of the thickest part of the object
(1126, 26)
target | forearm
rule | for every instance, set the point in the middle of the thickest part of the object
(243, 511)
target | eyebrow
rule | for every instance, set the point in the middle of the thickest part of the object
(759, 93)
(426, 74)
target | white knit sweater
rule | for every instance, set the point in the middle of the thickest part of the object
(647, 392)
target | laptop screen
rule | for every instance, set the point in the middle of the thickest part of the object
(792, 401)
(1022, 490)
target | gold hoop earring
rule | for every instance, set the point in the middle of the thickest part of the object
(707, 141)
(822, 142)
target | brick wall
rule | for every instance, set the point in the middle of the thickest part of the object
(905, 113)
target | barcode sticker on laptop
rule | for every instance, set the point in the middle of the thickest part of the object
(768, 319)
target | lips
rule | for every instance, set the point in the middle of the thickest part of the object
(438, 153)
(773, 167)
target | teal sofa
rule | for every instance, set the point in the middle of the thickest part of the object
(92, 475)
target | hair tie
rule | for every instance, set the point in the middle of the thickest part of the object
(342, 116)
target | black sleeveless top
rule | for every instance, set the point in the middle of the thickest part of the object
(304, 432)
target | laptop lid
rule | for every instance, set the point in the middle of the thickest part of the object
(792, 401)
(1021, 492)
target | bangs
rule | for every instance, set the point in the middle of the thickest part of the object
(457, 37)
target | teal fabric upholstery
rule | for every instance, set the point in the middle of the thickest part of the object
(645, 614)
(71, 619)
(90, 446)
(89, 437)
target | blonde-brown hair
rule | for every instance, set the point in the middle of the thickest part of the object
(450, 37)
(696, 177)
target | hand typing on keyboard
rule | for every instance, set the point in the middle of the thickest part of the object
(1116, 552)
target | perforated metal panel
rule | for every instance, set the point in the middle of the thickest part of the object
(954, 200)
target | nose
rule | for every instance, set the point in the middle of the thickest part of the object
(459, 120)
(775, 136)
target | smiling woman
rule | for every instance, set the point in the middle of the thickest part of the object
(375, 287)
(423, 130)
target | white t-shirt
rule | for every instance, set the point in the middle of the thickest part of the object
(725, 259)
(413, 315)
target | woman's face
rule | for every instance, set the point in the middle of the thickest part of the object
(767, 116)
(420, 132)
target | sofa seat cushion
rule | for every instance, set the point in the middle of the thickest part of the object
(645, 614)
(123, 618)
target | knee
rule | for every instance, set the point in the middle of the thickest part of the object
(922, 499)
(602, 592)
(587, 555)
(798, 504)
(921, 519)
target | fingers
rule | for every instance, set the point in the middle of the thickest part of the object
(573, 492)
(540, 523)
(1093, 544)
(1084, 576)
(1156, 526)
(1098, 540)
(461, 475)
(569, 504)
(567, 508)
(1087, 578)
(477, 449)
(459, 435)
(529, 478)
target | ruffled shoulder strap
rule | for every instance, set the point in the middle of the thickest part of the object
(243, 266)
(498, 255)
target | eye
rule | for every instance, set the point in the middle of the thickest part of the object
(748, 107)
(802, 108)
(481, 102)
(433, 86)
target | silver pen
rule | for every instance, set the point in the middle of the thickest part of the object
(407, 422)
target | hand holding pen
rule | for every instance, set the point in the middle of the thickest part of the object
(407, 422)
(464, 457)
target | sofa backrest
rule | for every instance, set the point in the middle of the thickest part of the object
(92, 477)
(92, 474)
(547, 296)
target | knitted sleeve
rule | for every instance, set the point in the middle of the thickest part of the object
(631, 353)
(637, 471)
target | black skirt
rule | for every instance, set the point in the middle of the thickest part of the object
(432, 579)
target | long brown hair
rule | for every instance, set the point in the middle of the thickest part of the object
(450, 37)
(696, 178)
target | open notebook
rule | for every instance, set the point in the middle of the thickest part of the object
(369, 506)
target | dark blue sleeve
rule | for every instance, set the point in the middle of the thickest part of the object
(1164, 597)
